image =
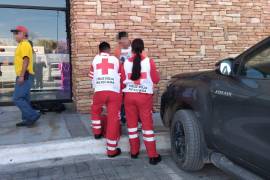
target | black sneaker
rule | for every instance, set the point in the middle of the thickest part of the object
(22, 124)
(155, 160)
(31, 124)
(98, 136)
(134, 156)
(116, 154)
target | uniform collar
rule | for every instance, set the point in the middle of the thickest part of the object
(133, 57)
(129, 48)
(104, 54)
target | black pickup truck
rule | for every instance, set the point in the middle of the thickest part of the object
(223, 116)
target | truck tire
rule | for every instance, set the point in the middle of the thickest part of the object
(186, 141)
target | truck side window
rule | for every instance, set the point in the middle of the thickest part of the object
(258, 65)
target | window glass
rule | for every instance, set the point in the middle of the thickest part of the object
(49, 3)
(47, 31)
(258, 65)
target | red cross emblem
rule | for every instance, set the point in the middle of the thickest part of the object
(105, 66)
(143, 76)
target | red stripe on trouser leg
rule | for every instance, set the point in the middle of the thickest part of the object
(113, 121)
(148, 136)
(144, 104)
(150, 142)
(96, 110)
(145, 110)
(112, 101)
(151, 148)
(134, 140)
(96, 127)
(134, 145)
(132, 123)
(111, 147)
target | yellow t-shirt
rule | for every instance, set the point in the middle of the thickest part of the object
(24, 49)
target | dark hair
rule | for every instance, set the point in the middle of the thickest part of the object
(137, 48)
(122, 34)
(104, 46)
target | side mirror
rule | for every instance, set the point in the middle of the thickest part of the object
(225, 66)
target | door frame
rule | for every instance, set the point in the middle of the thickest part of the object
(241, 59)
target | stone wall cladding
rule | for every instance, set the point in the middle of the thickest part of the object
(181, 35)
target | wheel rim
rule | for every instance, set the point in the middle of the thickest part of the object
(179, 140)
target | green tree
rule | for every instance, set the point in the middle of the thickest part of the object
(49, 45)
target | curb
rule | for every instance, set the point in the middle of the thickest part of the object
(27, 153)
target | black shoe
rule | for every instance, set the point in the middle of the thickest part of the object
(22, 124)
(116, 154)
(31, 124)
(134, 156)
(98, 136)
(155, 160)
(25, 124)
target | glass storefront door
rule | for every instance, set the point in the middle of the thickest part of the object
(48, 32)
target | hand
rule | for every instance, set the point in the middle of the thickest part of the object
(20, 80)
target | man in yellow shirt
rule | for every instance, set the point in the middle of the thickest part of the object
(23, 62)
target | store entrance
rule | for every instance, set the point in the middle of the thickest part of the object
(48, 33)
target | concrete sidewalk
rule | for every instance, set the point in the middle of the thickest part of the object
(57, 136)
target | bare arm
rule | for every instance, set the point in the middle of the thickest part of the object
(24, 66)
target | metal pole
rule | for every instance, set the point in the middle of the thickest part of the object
(57, 23)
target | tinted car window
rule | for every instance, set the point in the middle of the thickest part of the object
(258, 65)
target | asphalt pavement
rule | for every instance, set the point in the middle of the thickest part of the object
(97, 167)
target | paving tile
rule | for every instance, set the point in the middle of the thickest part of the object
(5, 177)
(82, 167)
(100, 177)
(75, 126)
(69, 169)
(116, 169)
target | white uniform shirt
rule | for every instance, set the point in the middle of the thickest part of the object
(125, 54)
(105, 73)
(142, 85)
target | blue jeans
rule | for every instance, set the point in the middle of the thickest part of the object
(21, 98)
